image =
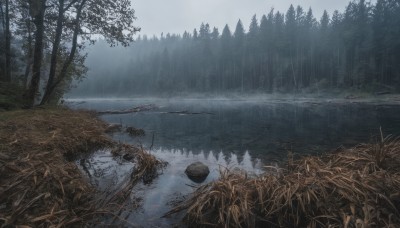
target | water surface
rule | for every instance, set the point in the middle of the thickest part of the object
(245, 134)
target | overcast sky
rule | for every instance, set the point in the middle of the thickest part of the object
(176, 16)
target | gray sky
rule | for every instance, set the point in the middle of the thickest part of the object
(176, 16)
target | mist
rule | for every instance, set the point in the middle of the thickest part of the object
(200, 113)
(290, 52)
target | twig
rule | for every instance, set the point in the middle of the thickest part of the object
(152, 142)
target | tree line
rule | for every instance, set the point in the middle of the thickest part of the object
(281, 52)
(42, 42)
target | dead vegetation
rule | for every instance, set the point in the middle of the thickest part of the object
(358, 187)
(38, 186)
(135, 132)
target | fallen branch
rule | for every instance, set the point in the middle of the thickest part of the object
(188, 113)
(142, 108)
(382, 93)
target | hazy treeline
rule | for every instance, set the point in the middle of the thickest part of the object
(281, 52)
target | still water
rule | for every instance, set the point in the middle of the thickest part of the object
(226, 133)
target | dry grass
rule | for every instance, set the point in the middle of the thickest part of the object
(38, 186)
(146, 172)
(358, 187)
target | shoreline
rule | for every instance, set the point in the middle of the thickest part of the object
(40, 186)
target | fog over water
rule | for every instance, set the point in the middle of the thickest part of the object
(234, 96)
(288, 110)
(292, 51)
(267, 130)
(246, 134)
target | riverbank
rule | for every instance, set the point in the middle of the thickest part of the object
(40, 187)
(358, 187)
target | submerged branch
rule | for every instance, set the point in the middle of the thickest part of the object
(188, 113)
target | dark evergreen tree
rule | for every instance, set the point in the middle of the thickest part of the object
(292, 52)
(239, 52)
(215, 34)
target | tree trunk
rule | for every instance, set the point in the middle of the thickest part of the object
(54, 52)
(8, 43)
(64, 70)
(29, 57)
(3, 25)
(38, 12)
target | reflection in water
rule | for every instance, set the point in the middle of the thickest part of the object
(267, 130)
(104, 170)
(237, 134)
(157, 198)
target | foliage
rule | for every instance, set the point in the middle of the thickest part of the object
(53, 35)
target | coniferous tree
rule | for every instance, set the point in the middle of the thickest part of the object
(226, 59)
(292, 52)
(252, 63)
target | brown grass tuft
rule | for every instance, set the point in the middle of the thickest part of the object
(38, 186)
(357, 187)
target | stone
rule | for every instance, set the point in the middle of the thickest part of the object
(128, 157)
(197, 172)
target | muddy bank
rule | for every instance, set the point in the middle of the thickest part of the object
(40, 187)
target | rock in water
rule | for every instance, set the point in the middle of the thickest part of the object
(197, 172)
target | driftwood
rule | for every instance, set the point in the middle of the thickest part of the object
(149, 107)
(141, 108)
(188, 113)
(382, 93)
(352, 97)
(72, 103)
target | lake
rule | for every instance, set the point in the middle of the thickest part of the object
(248, 134)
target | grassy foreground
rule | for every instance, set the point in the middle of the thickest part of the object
(358, 187)
(39, 187)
